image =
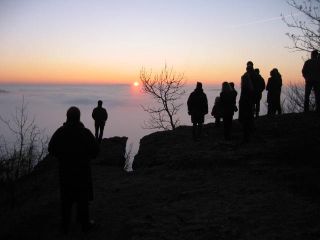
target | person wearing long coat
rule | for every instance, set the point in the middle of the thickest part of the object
(274, 92)
(227, 103)
(197, 108)
(74, 145)
(246, 102)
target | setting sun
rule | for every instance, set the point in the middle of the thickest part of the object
(136, 84)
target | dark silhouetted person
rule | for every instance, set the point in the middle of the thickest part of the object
(274, 92)
(74, 145)
(246, 101)
(235, 93)
(258, 86)
(311, 74)
(100, 116)
(216, 111)
(197, 108)
(228, 102)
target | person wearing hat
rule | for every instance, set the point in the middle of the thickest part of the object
(74, 145)
(197, 108)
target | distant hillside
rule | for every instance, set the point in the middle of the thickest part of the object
(181, 189)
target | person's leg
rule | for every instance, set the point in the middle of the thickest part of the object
(101, 127)
(96, 126)
(307, 93)
(279, 107)
(317, 95)
(269, 109)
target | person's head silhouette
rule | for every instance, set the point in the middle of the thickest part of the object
(99, 103)
(274, 73)
(73, 115)
(226, 87)
(249, 66)
(199, 85)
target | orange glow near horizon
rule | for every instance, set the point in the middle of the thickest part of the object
(60, 71)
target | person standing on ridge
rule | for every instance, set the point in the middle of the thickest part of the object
(274, 92)
(235, 94)
(197, 108)
(74, 146)
(311, 74)
(100, 116)
(246, 102)
(258, 86)
(228, 102)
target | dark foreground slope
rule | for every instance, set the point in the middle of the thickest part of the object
(180, 189)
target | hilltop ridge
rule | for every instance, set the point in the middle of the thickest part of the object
(181, 189)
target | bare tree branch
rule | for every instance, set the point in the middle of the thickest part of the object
(305, 26)
(295, 98)
(29, 147)
(166, 88)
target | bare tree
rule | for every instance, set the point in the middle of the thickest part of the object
(166, 88)
(295, 98)
(305, 25)
(28, 148)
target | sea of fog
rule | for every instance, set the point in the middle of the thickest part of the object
(48, 104)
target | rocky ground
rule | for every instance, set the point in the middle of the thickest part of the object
(181, 189)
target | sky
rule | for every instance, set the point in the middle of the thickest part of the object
(104, 41)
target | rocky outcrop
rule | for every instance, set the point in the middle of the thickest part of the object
(278, 135)
(112, 152)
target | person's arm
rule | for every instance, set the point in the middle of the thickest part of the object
(53, 148)
(106, 115)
